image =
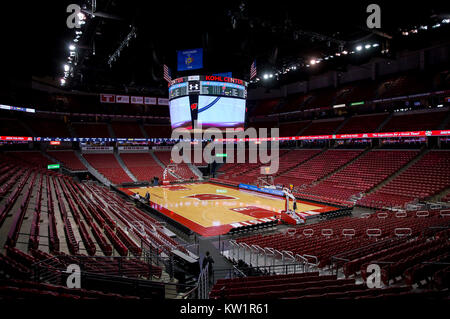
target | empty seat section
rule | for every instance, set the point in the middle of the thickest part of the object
(127, 130)
(425, 178)
(414, 122)
(322, 127)
(91, 129)
(107, 165)
(317, 167)
(360, 176)
(156, 131)
(48, 127)
(142, 166)
(362, 124)
(69, 160)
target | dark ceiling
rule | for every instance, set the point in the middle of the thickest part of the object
(232, 33)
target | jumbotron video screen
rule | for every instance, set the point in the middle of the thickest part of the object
(210, 101)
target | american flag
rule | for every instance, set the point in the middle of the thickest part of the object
(167, 74)
(253, 70)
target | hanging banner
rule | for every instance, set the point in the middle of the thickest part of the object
(137, 100)
(162, 101)
(122, 99)
(150, 100)
(107, 98)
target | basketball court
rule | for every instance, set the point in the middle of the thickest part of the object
(210, 210)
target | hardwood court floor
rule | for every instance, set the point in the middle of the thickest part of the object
(211, 210)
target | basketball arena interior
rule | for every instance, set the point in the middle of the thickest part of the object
(354, 203)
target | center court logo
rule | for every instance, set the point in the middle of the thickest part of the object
(249, 146)
(210, 197)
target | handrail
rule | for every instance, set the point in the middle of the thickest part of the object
(289, 254)
(279, 252)
(291, 231)
(309, 233)
(327, 232)
(348, 232)
(445, 212)
(257, 248)
(374, 234)
(422, 213)
(382, 215)
(398, 234)
(313, 257)
(233, 244)
(303, 259)
(401, 214)
(189, 293)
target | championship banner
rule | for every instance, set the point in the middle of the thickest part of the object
(137, 100)
(122, 99)
(150, 100)
(107, 98)
(162, 101)
(190, 59)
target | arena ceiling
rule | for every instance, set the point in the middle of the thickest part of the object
(232, 33)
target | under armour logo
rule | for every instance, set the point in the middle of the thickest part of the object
(193, 86)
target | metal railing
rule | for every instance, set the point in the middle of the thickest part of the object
(268, 257)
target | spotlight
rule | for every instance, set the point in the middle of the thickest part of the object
(367, 46)
(312, 62)
(66, 67)
(63, 81)
(375, 45)
(344, 52)
(72, 47)
(359, 48)
(266, 76)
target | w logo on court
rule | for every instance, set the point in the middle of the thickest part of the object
(210, 197)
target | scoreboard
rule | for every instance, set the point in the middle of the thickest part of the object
(178, 90)
(207, 101)
(222, 89)
(208, 85)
